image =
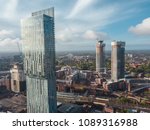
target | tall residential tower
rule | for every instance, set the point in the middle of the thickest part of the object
(38, 40)
(100, 57)
(117, 60)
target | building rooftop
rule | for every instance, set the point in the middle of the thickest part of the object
(116, 43)
(15, 104)
(70, 108)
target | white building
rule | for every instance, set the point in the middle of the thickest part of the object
(18, 81)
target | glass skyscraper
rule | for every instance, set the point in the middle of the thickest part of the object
(38, 39)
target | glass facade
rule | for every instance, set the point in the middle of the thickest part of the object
(38, 40)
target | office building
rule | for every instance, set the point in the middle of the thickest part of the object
(39, 61)
(100, 57)
(117, 60)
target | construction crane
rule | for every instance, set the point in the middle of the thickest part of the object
(19, 46)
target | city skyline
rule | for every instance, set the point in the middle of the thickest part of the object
(75, 28)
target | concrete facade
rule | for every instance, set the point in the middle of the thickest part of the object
(100, 57)
(18, 81)
(117, 60)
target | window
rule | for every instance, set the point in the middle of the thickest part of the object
(14, 82)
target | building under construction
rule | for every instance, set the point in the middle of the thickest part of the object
(100, 57)
(117, 60)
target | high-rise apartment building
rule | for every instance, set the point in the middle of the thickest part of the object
(117, 60)
(100, 57)
(18, 81)
(38, 40)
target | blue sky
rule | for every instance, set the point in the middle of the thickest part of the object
(79, 23)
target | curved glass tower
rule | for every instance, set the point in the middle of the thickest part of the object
(38, 41)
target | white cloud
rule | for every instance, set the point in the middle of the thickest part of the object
(74, 35)
(142, 28)
(10, 44)
(65, 35)
(9, 41)
(92, 35)
(4, 33)
(74, 19)
(10, 9)
(79, 6)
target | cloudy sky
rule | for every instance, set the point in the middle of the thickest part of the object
(79, 23)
